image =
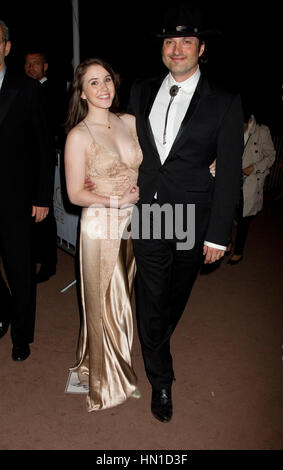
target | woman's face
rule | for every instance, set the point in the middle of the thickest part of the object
(98, 87)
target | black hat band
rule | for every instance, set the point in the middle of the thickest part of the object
(180, 29)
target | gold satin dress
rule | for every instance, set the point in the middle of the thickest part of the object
(107, 269)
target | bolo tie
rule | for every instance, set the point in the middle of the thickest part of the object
(173, 92)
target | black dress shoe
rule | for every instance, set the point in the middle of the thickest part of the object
(229, 249)
(44, 274)
(20, 352)
(234, 261)
(4, 325)
(161, 404)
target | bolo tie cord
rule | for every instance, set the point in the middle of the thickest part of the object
(173, 92)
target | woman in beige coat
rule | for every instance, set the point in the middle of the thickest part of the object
(258, 157)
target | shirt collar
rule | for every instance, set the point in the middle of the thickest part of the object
(251, 125)
(2, 74)
(43, 79)
(188, 85)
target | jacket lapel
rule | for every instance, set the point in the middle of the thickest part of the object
(188, 115)
(198, 94)
(203, 90)
(149, 103)
(7, 94)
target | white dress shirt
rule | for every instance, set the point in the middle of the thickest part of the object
(2, 75)
(42, 80)
(177, 111)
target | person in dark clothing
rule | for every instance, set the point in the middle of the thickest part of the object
(45, 239)
(183, 123)
(26, 190)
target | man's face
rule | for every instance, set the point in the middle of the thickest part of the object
(5, 47)
(35, 66)
(180, 55)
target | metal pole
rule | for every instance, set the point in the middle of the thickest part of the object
(76, 33)
(76, 61)
(68, 286)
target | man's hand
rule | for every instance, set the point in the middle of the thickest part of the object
(89, 185)
(212, 254)
(40, 213)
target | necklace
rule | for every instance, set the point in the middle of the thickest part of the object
(99, 124)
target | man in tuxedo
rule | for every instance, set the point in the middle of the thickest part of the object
(26, 190)
(183, 123)
(45, 233)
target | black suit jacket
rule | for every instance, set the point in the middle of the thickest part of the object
(212, 128)
(55, 98)
(27, 158)
(49, 104)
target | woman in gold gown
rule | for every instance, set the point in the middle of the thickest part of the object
(103, 147)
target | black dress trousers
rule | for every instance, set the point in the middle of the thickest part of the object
(17, 254)
(164, 279)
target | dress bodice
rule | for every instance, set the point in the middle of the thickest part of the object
(111, 172)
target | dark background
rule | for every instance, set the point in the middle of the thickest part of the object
(248, 59)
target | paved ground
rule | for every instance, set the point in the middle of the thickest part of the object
(227, 356)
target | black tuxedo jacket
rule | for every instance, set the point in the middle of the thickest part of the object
(212, 128)
(27, 157)
(55, 98)
(49, 104)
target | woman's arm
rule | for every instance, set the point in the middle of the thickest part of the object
(75, 172)
(75, 176)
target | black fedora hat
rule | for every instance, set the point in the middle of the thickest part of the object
(185, 20)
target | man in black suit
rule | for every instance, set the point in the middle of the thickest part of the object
(26, 190)
(45, 236)
(183, 124)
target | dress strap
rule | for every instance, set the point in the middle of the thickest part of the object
(89, 131)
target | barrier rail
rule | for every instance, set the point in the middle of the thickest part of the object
(66, 215)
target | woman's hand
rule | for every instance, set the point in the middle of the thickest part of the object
(130, 196)
(212, 168)
(248, 170)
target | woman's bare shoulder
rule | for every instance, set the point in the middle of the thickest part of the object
(129, 120)
(77, 132)
(78, 138)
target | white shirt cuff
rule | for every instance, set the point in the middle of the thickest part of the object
(214, 245)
